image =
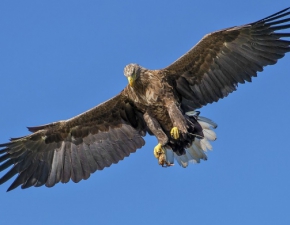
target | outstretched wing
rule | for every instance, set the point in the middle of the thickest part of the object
(75, 148)
(213, 68)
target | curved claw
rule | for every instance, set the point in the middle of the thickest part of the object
(174, 133)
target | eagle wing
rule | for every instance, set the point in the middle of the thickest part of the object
(75, 148)
(213, 68)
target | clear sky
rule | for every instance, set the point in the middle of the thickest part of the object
(60, 58)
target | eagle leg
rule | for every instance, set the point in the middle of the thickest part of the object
(178, 120)
(155, 128)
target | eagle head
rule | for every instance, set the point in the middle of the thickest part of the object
(132, 72)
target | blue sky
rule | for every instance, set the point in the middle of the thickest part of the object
(60, 58)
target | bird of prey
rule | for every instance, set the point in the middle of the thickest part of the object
(160, 102)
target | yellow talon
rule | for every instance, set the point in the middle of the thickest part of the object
(174, 133)
(158, 151)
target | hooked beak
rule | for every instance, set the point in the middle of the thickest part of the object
(131, 81)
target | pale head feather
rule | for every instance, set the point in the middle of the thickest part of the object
(132, 70)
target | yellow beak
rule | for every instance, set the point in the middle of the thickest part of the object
(131, 81)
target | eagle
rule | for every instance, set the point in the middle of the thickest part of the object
(159, 102)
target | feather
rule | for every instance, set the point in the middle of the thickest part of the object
(196, 146)
(67, 166)
(205, 144)
(84, 162)
(181, 160)
(195, 154)
(20, 179)
(91, 162)
(76, 175)
(209, 134)
(169, 156)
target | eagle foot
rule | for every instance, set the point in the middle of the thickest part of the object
(159, 153)
(174, 133)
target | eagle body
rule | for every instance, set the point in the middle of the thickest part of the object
(154, 94)
(159, 102)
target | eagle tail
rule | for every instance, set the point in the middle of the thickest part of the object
(199, 146)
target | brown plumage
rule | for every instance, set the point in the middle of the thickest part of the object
(155, 102)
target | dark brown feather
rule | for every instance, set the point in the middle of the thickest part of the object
(214, 67)
(73, 149)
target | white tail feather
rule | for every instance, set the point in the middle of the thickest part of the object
(190, 157)
(200, 153)
(204, 125)
(206, 145)
(209, 134)
(196, 153)
(197, 150)
(182, 160)
(169, 156)
(199, 145)
(206, 120)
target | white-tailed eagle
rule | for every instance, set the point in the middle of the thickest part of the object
(158, 102)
